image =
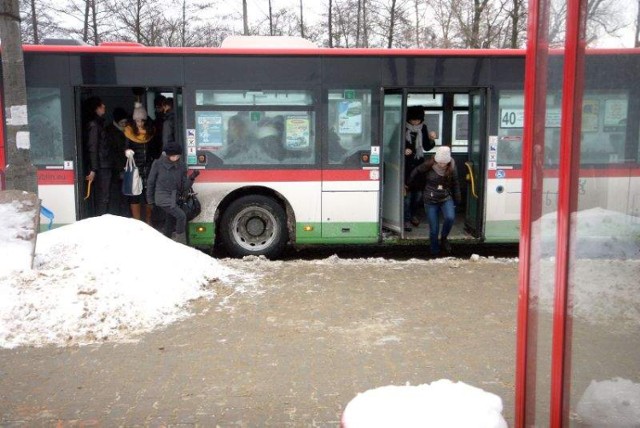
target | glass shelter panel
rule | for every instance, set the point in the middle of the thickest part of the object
(596, 376)
(604, 287)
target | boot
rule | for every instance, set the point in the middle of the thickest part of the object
(180, 238)
(445, 245)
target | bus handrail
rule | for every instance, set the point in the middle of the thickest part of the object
(473, 182)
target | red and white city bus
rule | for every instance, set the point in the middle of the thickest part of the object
(303, 145)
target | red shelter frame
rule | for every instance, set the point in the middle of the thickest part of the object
(535, 96)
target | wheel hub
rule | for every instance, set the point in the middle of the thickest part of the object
(255, 226)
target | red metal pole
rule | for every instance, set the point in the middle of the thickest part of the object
(531, 207)
(3, 161)
(572, 91)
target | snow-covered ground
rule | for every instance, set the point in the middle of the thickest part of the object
(114, 279)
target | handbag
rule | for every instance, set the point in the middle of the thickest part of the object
(190, 204)
(131, 180)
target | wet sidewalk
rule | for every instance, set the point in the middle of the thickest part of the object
(292, 349)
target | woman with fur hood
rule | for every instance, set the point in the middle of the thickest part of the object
(139, 134)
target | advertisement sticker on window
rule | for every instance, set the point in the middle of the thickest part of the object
(297, 132)
(209, 129)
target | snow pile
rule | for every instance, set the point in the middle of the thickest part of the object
(599, 233)
(602, 291)
(16, 227)
(442, 403)
(105, 278)
(610, 403)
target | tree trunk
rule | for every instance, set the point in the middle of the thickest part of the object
(301, 21)
(270, 20)
(184, 23)
(94, 24)
(330, 27)
(138, 24)
(515, 19)
(415, 3)
(34, 23)
(637, 41)
(392, 19)
(20, 174)
(358, 24)
(85, 29)
(245, 18)
(365, 25)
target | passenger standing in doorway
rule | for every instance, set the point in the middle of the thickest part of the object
(418, 140)
(158, 123)
(117, 142)
(139, 134)
(169, 124)
(100, 157)
(167, 181)
(441, 193)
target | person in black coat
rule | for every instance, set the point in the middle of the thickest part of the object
(166, 182)
(169, 124)
(99, 154)
(117, 141)
(418, 140)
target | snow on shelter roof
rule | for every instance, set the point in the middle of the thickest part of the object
(267, 42)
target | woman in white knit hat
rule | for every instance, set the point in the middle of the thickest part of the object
(441, 194)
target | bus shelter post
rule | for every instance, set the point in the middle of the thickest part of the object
(569, 173)
(531, 207)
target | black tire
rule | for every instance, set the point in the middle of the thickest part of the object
(254, 225)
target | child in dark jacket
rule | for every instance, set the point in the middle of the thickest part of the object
(167, 181)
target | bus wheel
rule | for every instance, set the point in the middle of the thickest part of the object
(254, 225)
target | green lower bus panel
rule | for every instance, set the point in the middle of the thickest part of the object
(200, 234)
(502, 231)
(337, 233)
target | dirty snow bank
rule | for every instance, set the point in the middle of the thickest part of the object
(15, 228)
(105, 278)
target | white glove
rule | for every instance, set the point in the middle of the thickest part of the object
(129, 153)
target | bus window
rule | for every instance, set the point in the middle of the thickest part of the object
(349, 125)
(254, 98)
(280, 130)
(604, 127)
(45, 126)
(511, 121)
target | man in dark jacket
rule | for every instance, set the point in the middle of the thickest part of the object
(169, 124)
(418, 140)
(117, 141)
(100, 156)
(167, 181)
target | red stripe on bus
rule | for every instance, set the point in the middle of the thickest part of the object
(128, 49)
(584, 172)
(55, 176)
(134, 49)
(273, 175)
